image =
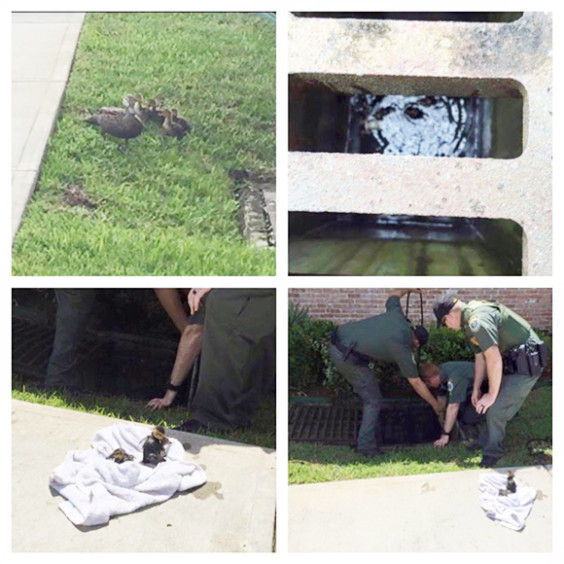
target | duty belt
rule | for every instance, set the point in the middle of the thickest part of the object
(526, 359)
(350, 355)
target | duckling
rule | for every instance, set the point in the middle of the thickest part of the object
(180, 120)
(172, 128)
(122, 124)
(150, 112)
(119, 455)
(153, 447)
(128, 102)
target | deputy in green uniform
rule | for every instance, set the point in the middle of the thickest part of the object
(237, 365)
(387, 337)
(508, 351)
(453, 382)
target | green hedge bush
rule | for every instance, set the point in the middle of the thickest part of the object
(309, 363)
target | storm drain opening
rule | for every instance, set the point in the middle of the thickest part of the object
(490, 17)
(403, 245)
(256, 197)
(400, 423)
(405, 116)
(32, 344)
(108, 362)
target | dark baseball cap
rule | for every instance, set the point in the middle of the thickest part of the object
(421, 334)
(442, 307)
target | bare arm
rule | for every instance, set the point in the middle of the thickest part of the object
(479, 375)
(172, 304)
(188, 349)
(450, 420)
(423, 392)
(494, 369)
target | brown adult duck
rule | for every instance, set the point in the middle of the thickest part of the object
(172, 128)
(124, 124)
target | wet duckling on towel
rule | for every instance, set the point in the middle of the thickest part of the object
(153, 447)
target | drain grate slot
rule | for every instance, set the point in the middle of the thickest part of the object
(107, 361)
(324, 423)
(401, 423)
(32, 345)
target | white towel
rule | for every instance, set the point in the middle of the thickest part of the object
(96, 488)
(510, 510)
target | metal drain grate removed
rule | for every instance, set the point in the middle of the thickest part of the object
(400, 422)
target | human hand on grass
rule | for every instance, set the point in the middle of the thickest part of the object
(160, 403)
(442, 441)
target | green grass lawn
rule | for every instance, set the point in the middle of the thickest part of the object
(311, 463)
(159, 207)
(262, 431)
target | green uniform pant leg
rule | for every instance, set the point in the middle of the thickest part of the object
(366, 385)
(514, 389)
(467, 414)
(237, 361)
(73, 310)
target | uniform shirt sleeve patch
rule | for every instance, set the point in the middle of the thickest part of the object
(450, 386)
(474, 324)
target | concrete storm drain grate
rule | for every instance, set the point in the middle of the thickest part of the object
(257, 207)
(400, 423)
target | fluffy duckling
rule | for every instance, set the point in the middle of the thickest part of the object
(180, 121)
(154, 447)
(119, 456)
(172, 128)
(154, 114)
(128, 102)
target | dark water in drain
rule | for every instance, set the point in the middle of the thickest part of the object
(408, 425)
(402, 246)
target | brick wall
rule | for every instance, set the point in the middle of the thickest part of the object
(342, 305)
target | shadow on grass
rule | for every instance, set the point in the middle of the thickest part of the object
(262, 431)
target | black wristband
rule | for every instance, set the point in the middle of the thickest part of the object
(173, 388)
(443, 432)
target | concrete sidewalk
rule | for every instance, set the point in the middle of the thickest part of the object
(234, 511)
(43, 47)
(425, 513)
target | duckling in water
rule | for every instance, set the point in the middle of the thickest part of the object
(172, 128)
(121, 123)
(153, 447)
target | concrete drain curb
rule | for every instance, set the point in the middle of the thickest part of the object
(254, 219)
(454, 59)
